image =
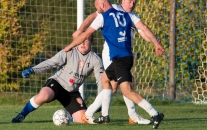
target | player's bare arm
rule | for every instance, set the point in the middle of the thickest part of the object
(86, 23)
(85, 35)
(142, 34)
(158, 48)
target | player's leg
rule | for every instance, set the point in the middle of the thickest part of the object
(122, 69)
(46, 94)
(130, 105)
(107, 93)
(106, 62)
(95, 105)
(138, 99)
(98, 101)
(77, 116)
(88, 116)
(133, 116)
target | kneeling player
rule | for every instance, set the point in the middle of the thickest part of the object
(75, 66)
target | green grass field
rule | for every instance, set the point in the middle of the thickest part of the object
(177, 117)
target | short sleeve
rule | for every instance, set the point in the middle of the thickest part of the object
(97, 22)
(134, 17)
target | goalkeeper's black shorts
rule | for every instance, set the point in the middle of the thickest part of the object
(72, 101)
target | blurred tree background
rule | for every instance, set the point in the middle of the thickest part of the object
(18, 45)
(32, 31)
(190, 37)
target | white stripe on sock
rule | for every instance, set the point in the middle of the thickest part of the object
(33, 103)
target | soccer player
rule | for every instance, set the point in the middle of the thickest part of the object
(116, 29)
(126, 6)
(74, 67)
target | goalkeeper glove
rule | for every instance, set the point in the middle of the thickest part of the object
(27, 72)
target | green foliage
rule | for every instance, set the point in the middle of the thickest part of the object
(152, 71)
(190, 36)
(24, 25)
(190, 24)
(17, 50)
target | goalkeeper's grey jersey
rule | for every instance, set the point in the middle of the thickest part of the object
(74, 68)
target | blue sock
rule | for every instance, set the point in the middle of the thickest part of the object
(71, 119)
(27, 109)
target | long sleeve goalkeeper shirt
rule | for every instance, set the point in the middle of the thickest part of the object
(74, 68)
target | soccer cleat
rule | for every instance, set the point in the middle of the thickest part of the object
(139, 120)
(87, 119)
(19, 118)
(157, 119)
(102, 119)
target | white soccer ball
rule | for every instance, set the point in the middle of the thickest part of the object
(61, 118)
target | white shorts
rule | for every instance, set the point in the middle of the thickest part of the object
(105, 56)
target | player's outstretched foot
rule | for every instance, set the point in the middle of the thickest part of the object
(19, 118)
(102, 119)
(87, 119)
(139, 120)
(157, 119)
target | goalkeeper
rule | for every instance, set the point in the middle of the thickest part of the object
(75, 67)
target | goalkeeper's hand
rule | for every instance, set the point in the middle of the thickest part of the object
(27, 72)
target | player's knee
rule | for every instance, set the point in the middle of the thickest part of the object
(126, 93)
(41, 98)
(44, 97)
(77, 116)
(46, 94)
